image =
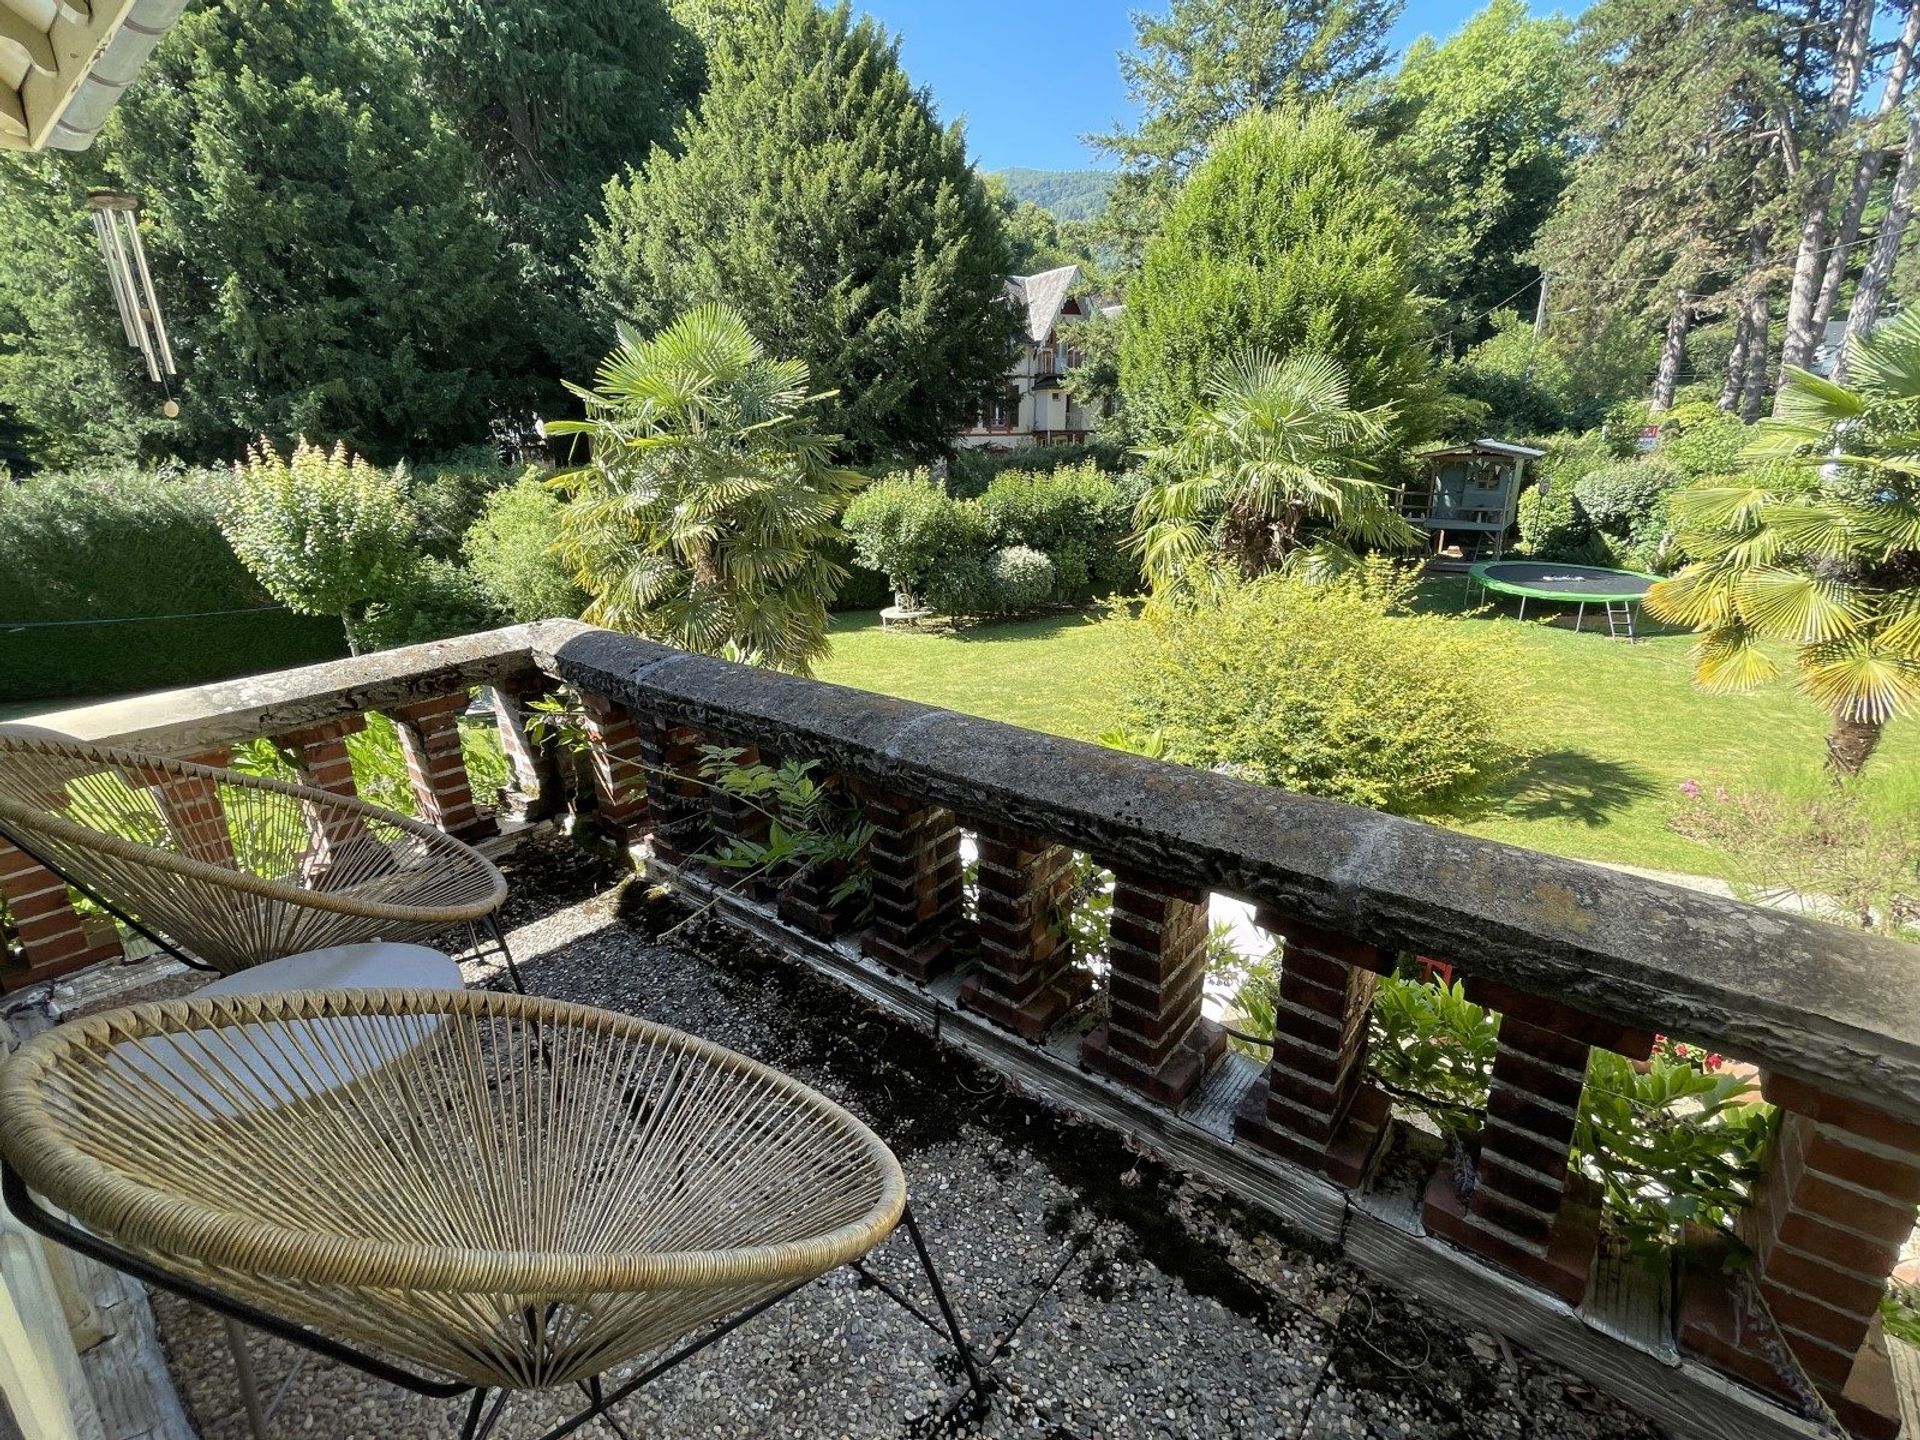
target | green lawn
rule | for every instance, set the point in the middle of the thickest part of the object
(1620, 726)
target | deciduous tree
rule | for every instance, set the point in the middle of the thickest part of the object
(1479, 131)
(1204, 63)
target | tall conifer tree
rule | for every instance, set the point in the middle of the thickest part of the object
(815, 193)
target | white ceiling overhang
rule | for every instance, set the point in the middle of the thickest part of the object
(63, 63)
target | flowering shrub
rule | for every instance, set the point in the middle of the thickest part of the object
(1022, 578)
(1839, 850)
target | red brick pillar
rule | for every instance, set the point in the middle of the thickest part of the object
(619, 771)
(746, 819)
(1025, 979)
(55, 939)
(677, 796)
(191, 805)
(1314, 1105)
(1154, 1038)
(1835, 1204)
(442, 791)
(320, 756)
(914, 859)
(537, 789)
(1529, 1211)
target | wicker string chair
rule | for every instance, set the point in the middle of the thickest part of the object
(230, 870)
(514, 1192)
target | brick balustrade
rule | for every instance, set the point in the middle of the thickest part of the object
(1314, 1105)
(538, 787)
(1568, 956)
(617, 757)
(321, 760)
(1528, 1211)
(914, 859)
(678, 798)
(54, 938)
(194, 813)
(1025, 978)
(742, 819)
(1155, 1038)
(430, 742)
(1835, 1204)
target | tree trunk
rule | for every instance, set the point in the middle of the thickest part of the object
(1741, 358)
(1736, 379)
(1849, 63)
(1753, 390)
(1850, 744)
(1864, 174)
(1673, 349)
(1869, 294)
(346, 623)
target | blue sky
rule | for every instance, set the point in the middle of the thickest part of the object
(1031, 79)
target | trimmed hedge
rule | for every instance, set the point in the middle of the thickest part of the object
(128, 547)
(942, 549)
(972, 471)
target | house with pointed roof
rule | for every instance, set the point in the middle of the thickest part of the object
(1033, 407)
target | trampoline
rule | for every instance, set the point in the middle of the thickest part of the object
(1582, 585)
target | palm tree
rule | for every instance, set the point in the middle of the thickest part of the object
(703, 514)
(1268, 475)
(1820, 550)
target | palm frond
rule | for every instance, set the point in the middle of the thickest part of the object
(1860, 680)
(1730, 659)
(1792, 605)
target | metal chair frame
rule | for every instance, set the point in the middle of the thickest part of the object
(481, 1416)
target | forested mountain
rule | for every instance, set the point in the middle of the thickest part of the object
(1069, 194)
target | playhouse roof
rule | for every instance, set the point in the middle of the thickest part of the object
(1506, 448)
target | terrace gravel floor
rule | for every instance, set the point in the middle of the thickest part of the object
(1112, 1297)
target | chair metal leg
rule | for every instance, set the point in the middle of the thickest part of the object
(946, 1310)
(481, 1417)
(489, 926)
(249, 1382)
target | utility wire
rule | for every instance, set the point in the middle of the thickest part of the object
(12, 626)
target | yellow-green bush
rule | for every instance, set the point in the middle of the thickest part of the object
(510, 547)
(1328, 689)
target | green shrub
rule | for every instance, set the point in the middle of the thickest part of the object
(928, 544)
(110, 546)
(1702, 439)
(973, 470)
(1319, 688)
(1023, 579)
(1077, 516)
(448, 496)
(435, 599)
(1554, 527)
(510, 551)
(1623, 501)
(326, 532)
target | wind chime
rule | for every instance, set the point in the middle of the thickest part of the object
(116, 225)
